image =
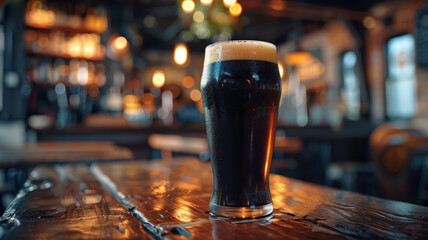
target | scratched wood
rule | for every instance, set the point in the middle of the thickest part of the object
(174, 196)
(67, 203)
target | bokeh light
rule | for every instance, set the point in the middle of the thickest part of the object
(228, 3)
(206, 2)
(369, 22)
(158, 79)
(120, 43)
(195, 95)
(188, 6)
(198, 16)
(235, 10)
(188, 82)
(180, 54)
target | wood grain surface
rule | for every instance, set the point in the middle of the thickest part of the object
(175, 195)
(67, 203)
(169, 200)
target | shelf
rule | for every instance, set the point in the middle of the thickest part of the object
(95, 59)
(67, 84)
(63, 29)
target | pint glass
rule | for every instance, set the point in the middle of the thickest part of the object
(240, 89)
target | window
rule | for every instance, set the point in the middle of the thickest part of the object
(350, 89)
(400, 85)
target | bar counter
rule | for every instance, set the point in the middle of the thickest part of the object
(168, 199)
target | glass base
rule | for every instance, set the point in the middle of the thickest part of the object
(241, 212)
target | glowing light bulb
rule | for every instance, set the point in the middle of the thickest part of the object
(228, 3)
(180, 54)
(158, 78)
(120, 43)
(206, 2)
(235, 10)
(188, 6)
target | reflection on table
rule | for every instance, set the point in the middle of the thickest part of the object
(169, 199)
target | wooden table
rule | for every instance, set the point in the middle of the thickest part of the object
(169, 200)
(17, 162)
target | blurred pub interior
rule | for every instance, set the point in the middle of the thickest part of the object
(354, 106)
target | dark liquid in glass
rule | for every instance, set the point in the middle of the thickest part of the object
(241, 105)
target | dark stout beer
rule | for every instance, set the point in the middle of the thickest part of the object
(241, 99)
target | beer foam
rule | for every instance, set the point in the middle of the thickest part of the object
(240, 50)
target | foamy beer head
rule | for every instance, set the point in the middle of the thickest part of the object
(240, 50)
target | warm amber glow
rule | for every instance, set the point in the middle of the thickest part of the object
(148, 102)
(148, 98)
(310, 70)
(158, 78)
(188, 6)
(188, 82)
(41, 15)
(198, 16)
(228, 3)
(282, 189)
(235, 10)
(74, 47)
(120, 43)
(297, 58)
(182, 212)
(89, 45)
(277, 4)
(118, 47)
(132, 108)
(195, 95)
(100, 25)
(160, 187)
(180, 54)
(281, 69)
(271, 139)
(369, 22)
(92, 199)
(222, 18)
(278, 190)
(89, 50)
(206, 2)
(130, 99)
(200, 106)
(58, 44)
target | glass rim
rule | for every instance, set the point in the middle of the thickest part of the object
(241, 41)
(241, 50)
